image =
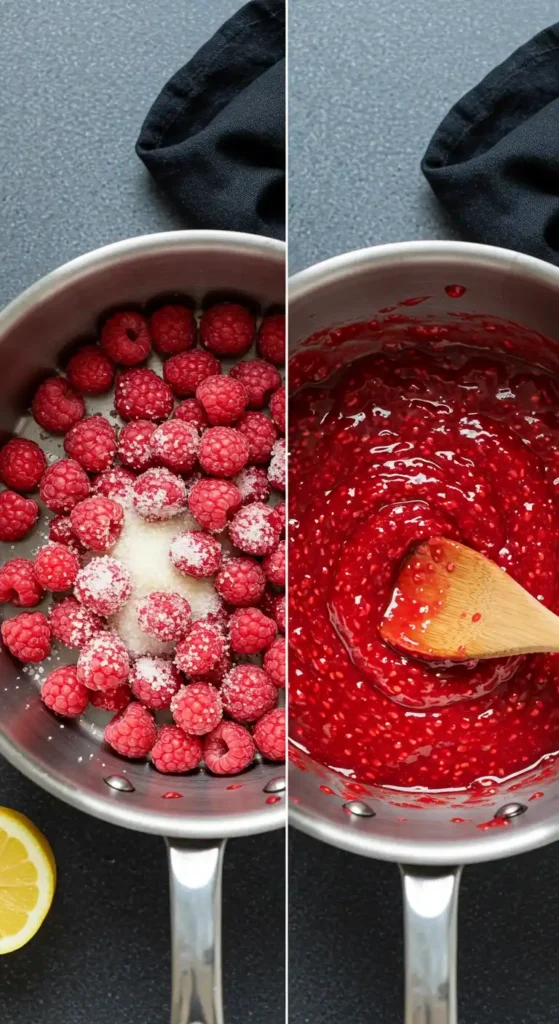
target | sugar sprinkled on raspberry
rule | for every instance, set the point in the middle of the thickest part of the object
(159, 494)
(229, 749)
(223, 451)
(240, 581)
(166, 617)
(97, 522)
(279, 514)
(134, 444)
(91, 371)
(173, 329)
(92, 443)
(175, 751)
(195, 553)
(197, 708)
(56, 406)
(175, 445)
(250, 631)
(132, 732)
(274, 662)
(73, 624)
(18, 584)
(154, 682)
(277, 409)
(191, 411)
(111, 700)
(253, 484)
(103, 663)
(116, 483)
(259, 378)
(27, 636)
(260, 434)
(271, 339)
(254, 529)
(213, 502)
(22, 464)
(277, 467)
(17, 516)
(223, 398)
(142, 395)
(247, 693)
(186, 371)
(104, 585)
(269, 735)
(279, 609)
(274, 565)
(56, 567)
(64, 485)
(201, 649)
(227, 329)
(63, 692)
(126, 338)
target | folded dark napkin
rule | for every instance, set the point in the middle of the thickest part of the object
(214, 139)
(494, 160)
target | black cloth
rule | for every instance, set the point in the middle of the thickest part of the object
(494, 160)
(214, 140)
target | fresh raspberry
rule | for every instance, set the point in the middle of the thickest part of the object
(134, 445)
(269, 735)
(251, 631)
(279, 609)
(126, 338)
(200, 651)
(185, 372)
(240, 582)
(247, 693)
(274, 662)
(253, 484)
(112, 700)
(174, 751)
(259, 378)
(117, 483)
(73, 624)
(224, 399)
(191, 411)
(60, 531)
(97, 522)
(154, 682)
(213, 502)
(197, 708)
(159, 494)
(56, 567)
(271, 339)
(133, 732)
(195, 553)
(18, 584)
(103, 585)
(27, 636)
(56, 406)
(254, 529)
(223, 451)
(175, 445)
(22, 464)
(274, 565)
(103, 663)
(217, 674)
(91, 371)
(17, 515)
(277, 467)
(63, 693)
(64, 485)
(279, 515)
(277, 409)
(227, 329)
(142, 395)
(92, 443)
(166, 617)
(260, 434)
(173, 329)
(228, 749)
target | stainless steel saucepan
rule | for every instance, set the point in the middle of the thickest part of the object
(424, 839)
(69, 759)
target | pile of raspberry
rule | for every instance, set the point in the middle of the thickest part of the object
(195, 437)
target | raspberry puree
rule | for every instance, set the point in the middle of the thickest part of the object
(428, 435)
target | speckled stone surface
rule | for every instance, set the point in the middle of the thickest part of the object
(76, 80)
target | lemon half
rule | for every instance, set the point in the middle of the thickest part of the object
(27, 879)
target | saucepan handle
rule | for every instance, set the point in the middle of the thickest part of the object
(430, 936)
(195, 869)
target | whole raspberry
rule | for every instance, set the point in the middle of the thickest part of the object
(92, 443)
(271, 339)
(142, 395)
(159, 494)
(217, 674)
(248, 693)
(91, 371)
(259, 379)
(195, 553)
(154, 682)
(274, 565)
(64, 485)
(240, 582)
(175, 445)
(97, 522)
(126, 338)
(279, 515)
(56, 406)
(73, 624)
(27, 636)
(17, 515)
(280, 612)
(166, 617)
(277, 409)
(200, 651)
(103, 663)
(134, 445)
(274, 662)
(56, 567)
(228, 749)
(269, 735)
(186, 371)
(103, 585)
(223, 451)
(253, 484)
(116, 483)
(22, 464)
(197, 708)
(260, 434)
(63, 693)
(227, 329)
(213, 502)
(112, 700)
(60, 531)
(191, 411)
(277, 467)
(224, 399)
(18, 584)
(173, 329)
(254, 529)
(132, 733)
(251, 631)
(174, 751)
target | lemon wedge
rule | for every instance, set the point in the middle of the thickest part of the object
(27, 879)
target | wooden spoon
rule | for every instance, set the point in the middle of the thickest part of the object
(452, 603)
